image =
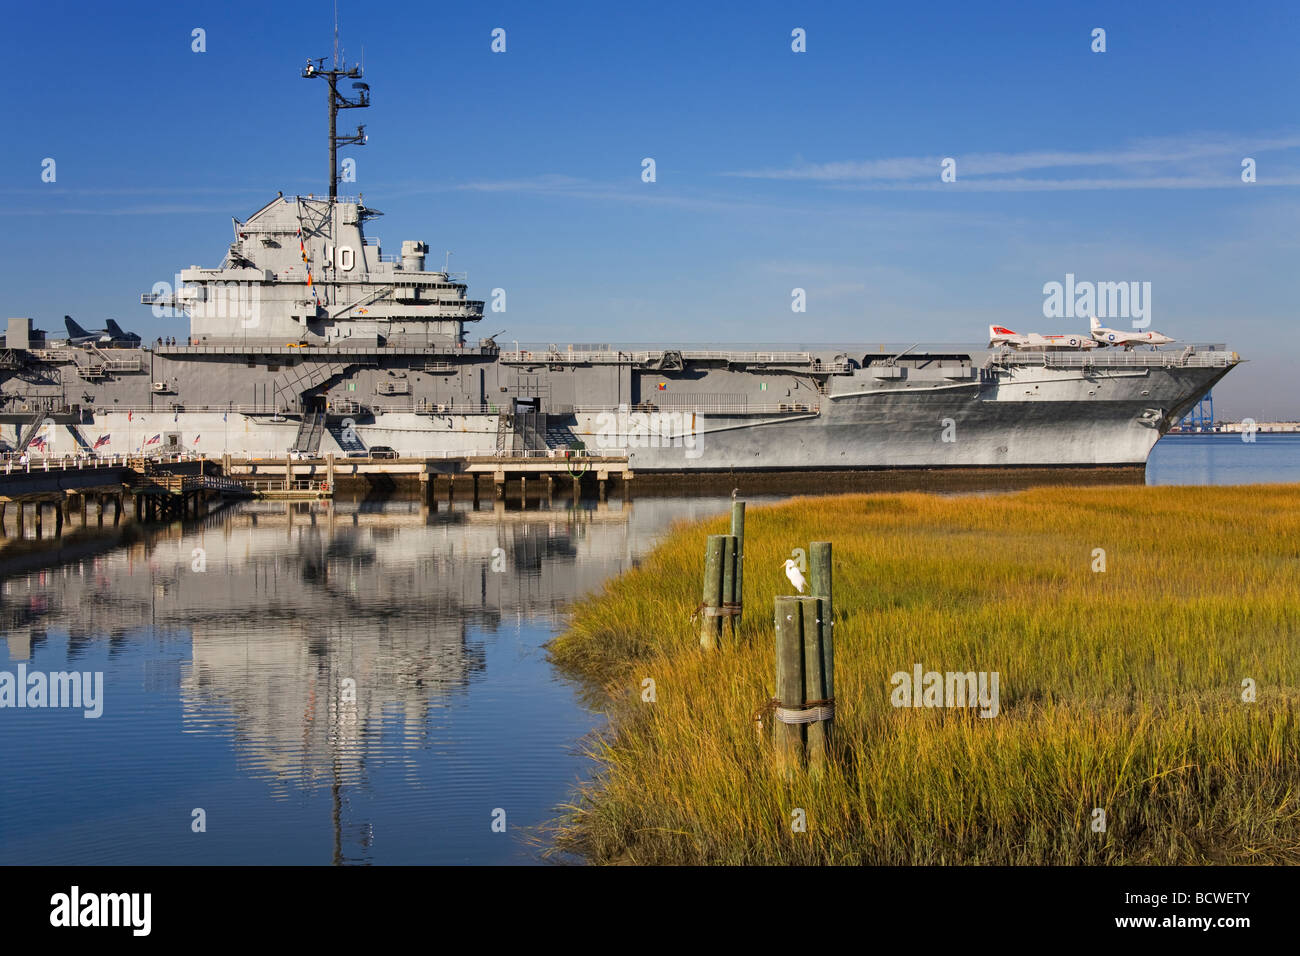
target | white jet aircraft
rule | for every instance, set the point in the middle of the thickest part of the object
(1033, 342)
(1127, 339)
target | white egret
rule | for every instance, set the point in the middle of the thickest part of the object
(795, 575)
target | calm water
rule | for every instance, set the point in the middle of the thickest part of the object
(226, 675)
(1224, 460)
(224, 687)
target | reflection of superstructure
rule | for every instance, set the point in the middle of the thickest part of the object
(283, 605)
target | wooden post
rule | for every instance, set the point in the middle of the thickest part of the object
(22, 509)
(820, 585)
(474, 480)
(83, 509)
(39, 518)
(3, 506)
(738, 530)
(58, 519)
(788, 738)
(523, 492)
(815, 693)
(711, 602)
(729, 580)
(802, 682)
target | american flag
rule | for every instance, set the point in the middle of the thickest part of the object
(196, 439)
(38, 442)
(155, 440)
(100, 442)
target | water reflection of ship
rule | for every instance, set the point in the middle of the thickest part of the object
(283, 604)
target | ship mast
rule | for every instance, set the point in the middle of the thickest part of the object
(337, 101)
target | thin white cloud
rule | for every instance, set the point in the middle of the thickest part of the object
(1073, 185)
(1183, 163)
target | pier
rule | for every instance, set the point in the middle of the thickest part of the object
(156, 491)
(493, 476)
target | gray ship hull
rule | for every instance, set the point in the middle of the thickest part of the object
(713, 413)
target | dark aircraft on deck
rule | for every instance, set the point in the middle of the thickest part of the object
(111, 335)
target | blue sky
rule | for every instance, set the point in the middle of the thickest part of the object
(775, 169)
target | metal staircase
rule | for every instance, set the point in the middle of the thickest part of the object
(30, 431)
(310, 433)
(503, 430)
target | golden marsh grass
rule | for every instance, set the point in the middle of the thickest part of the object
(1119, 690)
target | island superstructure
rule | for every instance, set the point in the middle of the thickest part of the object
(308, 339)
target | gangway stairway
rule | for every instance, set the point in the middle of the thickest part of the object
(30, 431)
(310, 433)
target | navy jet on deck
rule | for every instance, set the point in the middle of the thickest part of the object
(111, 335)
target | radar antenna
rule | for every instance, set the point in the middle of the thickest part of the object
(337, 101)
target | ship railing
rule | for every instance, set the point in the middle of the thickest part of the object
(564, 356)
(51, 355)
(542, 453)
(1190, 356)
(80, 462)
(704, 408)
(188, 409)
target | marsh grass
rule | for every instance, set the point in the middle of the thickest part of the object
(1119, 690)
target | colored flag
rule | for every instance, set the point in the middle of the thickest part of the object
(196, 439)
(154, 440)
(223, 415)
(100, 442)
(130, 415)
(38, 442)
(663, 386)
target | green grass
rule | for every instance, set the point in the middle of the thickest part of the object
(1119, 690)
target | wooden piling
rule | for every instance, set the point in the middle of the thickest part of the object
(3, 506)
(22, 509)
(802, 684)
(729, 579)
(820, 585)
(738, 530)
(815, 692)
(39, 518)
(789, 738)
(711, 600)
(58, 519)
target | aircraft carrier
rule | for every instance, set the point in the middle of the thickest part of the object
(308, 340)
